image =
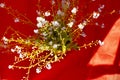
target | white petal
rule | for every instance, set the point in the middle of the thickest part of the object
(19, 51)
(59, 12)
(38, 70)
(96, 23)
(36, 31)
(13, 50)
(38, 12)
(55, 23)
(53, 2)
(96, 15)
(74, 10)
(84, 23)
(93, 0)
(4, 39)
(16, 20)
(83, 34)
(39, 25)
(17, 47)
(21, 56)
(100, 43)
(102, 25)
(2, 5)
(81, 26)
(48, 66)
(102, 6)
(70, 24)
(55, 46)
(47, 13)
(50, 43)
(40, 19)
(10, 67)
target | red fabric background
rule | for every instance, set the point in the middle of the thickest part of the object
(77, 65)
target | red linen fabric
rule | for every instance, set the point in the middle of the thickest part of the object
(96, 63)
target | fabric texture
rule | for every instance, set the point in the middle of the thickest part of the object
(96, 63)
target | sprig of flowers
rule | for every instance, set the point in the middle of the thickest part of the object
(53, 38)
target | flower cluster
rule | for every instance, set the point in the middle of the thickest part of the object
(52, 39)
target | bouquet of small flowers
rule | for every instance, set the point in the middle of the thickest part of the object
(53, 37)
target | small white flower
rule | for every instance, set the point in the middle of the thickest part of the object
(2, 5)
(52, 54)
(36, 31)
(102, 6)
(10, 67)
(93, 0)
(13, 50)
(16, 20)
(63, 28)
(19, 51)
(102, 25)
(44, 34)
(48, 66)
(55, 23)
(40, 19)
(83, 34)
(96, 23)
(33, 47)
(99, 10)
(96, 15)
(43, 23)
(39, 25)
(100, 43)
(53, 2)
(38, 70)
(38, 12)
(47, 13)
(21, 56)
(74, 10)
(17, 47)
(50, 43)
(81, 26)
(55, 46)
(5, 40)
(84, 23)
(70, 24)
(59, 12)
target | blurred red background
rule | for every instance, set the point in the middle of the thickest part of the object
(96, 63)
